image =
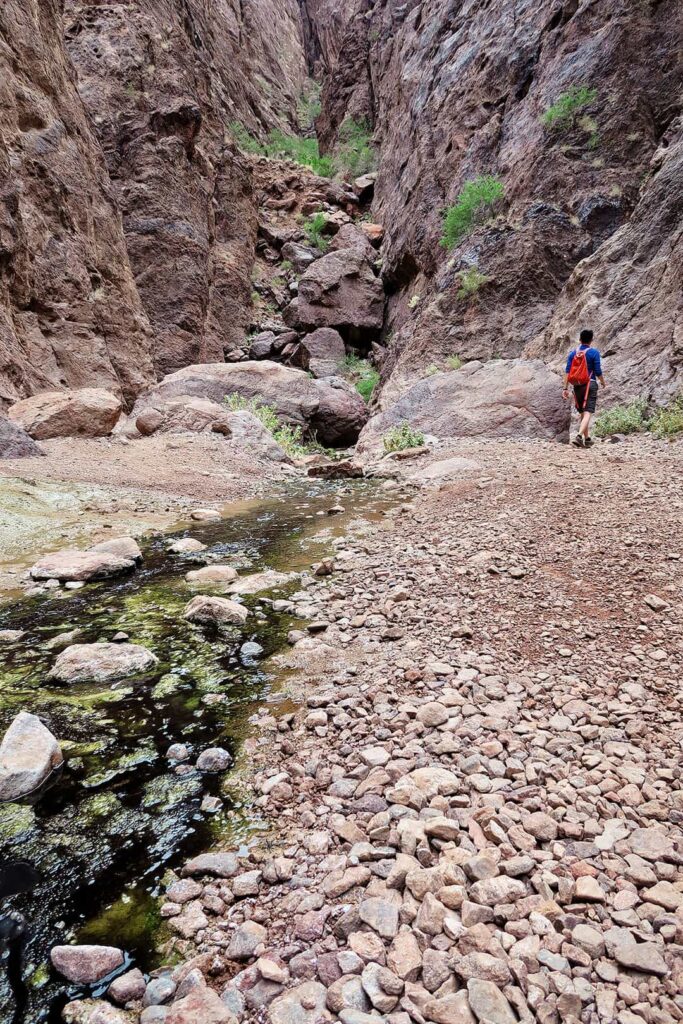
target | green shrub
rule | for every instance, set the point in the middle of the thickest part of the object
(474, 204)
(363, 376)
(470, 282)
(567, 105)
(401, 437)
(287, 436)
(308, 108)
(313, 229)
(354, 154)
(668, 421)
(303, 151)
(431, 370)
(622, 419)
(414, 302)
(454, 362)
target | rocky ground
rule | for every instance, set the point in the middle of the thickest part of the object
(477, 809)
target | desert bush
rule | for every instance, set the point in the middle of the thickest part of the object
(313, 228)
(475, 203)
(454, 362)
(354, 154)
(363, 376)
(401, 437)
(563, 111)
(287, 436)
(622, 419)
(668, 421)
(471, 280)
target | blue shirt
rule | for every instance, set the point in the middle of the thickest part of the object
(592, 360)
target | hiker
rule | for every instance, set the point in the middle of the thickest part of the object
(583, 371)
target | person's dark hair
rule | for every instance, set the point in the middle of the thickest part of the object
(586, 337)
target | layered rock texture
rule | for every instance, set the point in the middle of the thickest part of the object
(587, 231)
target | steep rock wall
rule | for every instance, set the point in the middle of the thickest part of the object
(163, 82)
(457, 89)
(69, 311)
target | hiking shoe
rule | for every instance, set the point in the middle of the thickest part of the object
(578, 441)
(588, 442)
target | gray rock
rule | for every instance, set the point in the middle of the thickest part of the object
(101, 663)
(29, 753)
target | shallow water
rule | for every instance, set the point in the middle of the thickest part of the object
(88, 857)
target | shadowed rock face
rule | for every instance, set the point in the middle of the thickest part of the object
(163, 82)
(455, 91)
(70, 314)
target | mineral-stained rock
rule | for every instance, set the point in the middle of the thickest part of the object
(330, 408)
(101, 663)
(29, 753)
(205, 610)
(15, 443)
(87, 412)
(81, 566)
(84, 965)
(339, 290)
(502, 398)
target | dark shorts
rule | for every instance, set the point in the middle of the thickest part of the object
(586, 402)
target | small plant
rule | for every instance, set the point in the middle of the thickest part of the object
(364, 377)
(470, 282)
(454, 362)
(303, 151)
(475, 204)
(401, 437)
(287, 436)
(414, 302)
(308, 108)
(246, 142)
(285, 266)
(432, 369)
(622, 419)
(668, 421)
(314, 228)
(562, 113)
(354, 154)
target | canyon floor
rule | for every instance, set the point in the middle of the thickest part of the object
(476, 809)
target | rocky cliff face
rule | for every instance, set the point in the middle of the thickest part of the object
(69, 309)
(457, 90)
(163, 82)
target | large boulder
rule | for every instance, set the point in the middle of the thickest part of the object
(87, 412)
(339, 290)
(15, 443)
(332, 409)
(86, 965)
(101, 663)
(322, 352)
(72, 566)
(124, 547)
(29, 753)
(503, 398)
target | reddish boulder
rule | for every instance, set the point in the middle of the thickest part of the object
(88, 412)
(339, 290)
(322, 352)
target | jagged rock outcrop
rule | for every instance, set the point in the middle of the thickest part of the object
(454, 92)
(70, 314)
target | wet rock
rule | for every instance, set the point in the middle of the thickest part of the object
(16, 821)
(87, 412)
(205, 515)
(124, 547)
(212, 574)
(101, 663)
(29, 753)
(205, 610)
(269, 579)
(15, 443)
(81, 566)
(215, 759)
(186, 545)
(85, 965)
(10, 636)
(223, 865)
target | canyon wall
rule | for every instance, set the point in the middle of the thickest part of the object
(588, 232)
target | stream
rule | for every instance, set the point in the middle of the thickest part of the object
(87, 859)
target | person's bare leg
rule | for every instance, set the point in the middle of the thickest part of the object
(585, 424)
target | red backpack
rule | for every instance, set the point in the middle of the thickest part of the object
(578, 371)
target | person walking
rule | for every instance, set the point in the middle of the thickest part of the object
(582, 372)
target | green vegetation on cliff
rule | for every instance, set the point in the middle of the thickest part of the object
(475, 204)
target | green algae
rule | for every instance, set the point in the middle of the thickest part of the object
(16, 820)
